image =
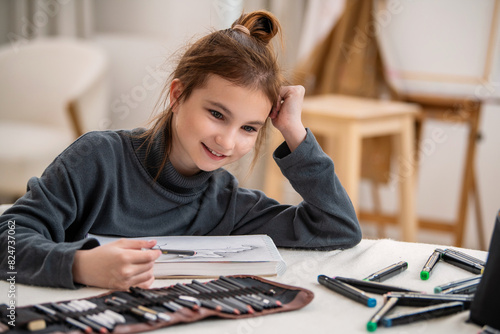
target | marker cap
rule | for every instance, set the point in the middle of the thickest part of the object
(424, 275)
(371, 326)
(372, 302)
(386, 322)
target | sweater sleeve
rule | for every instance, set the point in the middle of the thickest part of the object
(37, 227)
(325, 219)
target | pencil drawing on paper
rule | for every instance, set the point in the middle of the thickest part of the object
(221, 252)
(234, 248)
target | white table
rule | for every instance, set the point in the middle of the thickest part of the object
(328, 312)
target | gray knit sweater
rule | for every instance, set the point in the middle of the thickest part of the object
(104, 184)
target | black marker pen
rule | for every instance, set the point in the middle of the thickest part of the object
(464, 255)
(372, 287)
(465, 289)
(347, 290)
(388, 272)
(423, 299)
(431, 262)
(423, 313)
(453, 284)
(462, 262)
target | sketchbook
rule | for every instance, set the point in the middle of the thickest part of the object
(214, 255)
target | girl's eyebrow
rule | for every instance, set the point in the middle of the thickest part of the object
(230, 114)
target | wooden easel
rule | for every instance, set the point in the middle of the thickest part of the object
(455, 110)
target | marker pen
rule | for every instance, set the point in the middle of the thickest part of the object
(462, 262)
(372, 324)
(423, 313)
(423, 299)
(465, 289)
(467, 256)
(431, 262)
(453, 284)
(372, 287)
(347, 290)
(388, 272)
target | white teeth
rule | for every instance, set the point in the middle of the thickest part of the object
(215, 153)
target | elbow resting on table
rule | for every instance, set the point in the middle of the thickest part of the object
(346, 235)
(356, 235)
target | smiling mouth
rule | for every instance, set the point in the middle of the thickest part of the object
(213, 152)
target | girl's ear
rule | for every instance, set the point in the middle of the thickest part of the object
(176, 89)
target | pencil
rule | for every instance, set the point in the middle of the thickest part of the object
(178, 252)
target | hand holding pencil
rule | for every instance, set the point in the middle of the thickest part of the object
(117, 265)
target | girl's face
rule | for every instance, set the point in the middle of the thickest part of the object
(217, 125)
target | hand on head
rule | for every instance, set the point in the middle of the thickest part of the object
(286, 115)
(117, 265)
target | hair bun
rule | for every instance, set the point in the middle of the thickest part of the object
(261, 24)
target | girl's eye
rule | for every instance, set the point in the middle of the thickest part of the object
(248, 128)
(216, 114)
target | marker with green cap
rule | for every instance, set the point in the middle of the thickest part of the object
(431, 262)
(372, 324)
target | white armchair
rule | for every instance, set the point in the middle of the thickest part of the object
(51, 92)
(4, 207)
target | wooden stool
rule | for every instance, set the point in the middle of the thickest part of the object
(343, 122)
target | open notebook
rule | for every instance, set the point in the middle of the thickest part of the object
(215, 255)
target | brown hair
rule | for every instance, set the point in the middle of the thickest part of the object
(246, 60)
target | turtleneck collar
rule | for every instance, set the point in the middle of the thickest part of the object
(169, 177)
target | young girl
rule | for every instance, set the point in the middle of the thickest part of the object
(168, 179)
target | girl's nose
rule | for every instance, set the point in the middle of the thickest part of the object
(226, 140)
